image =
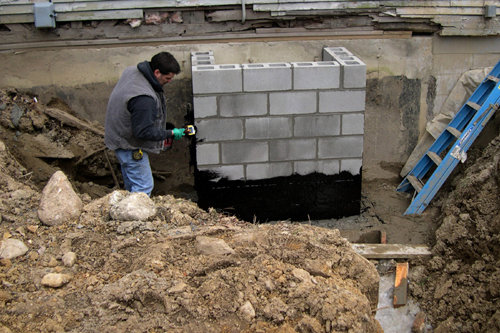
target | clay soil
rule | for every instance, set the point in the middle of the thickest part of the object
(297, 277)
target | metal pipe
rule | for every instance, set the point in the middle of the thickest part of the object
(243, 12)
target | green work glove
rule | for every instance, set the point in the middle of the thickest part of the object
(178, 133)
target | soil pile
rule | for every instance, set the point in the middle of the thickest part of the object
(460, 286)
(181, 270)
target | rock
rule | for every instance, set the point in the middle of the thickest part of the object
(302, 275)
(419, 323)
(69, 259)
(178, 288)
(136, 207)
(32, 228)
(12, 248)
(246, 311)
(55, 280)
(212, 246)
(59, 203)
(116, 197)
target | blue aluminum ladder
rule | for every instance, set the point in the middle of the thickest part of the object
(432, 170)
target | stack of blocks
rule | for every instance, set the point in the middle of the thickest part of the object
(260, 121)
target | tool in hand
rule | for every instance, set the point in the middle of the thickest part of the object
(190, 130)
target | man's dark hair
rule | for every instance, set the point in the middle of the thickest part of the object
(165, 62)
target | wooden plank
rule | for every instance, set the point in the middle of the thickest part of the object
(304, 6)
(174, 40)
(201, 3)
(236, 15)
(440, 11)
(417, 185)
(391, 251)
(401, 284)
(434, 157)
(14, 10)
(72, 121)
(456, 133)
(21, 18)
(100, 15)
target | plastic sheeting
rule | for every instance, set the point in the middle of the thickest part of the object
(463, 89)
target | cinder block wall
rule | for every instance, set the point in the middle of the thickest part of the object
(260, 121)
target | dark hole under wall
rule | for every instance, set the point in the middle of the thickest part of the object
(297, 198)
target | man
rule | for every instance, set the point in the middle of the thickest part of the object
(136, 119)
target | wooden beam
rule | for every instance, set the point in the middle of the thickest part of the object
(479, 11)
(21, 18)
(176, 40)
(237, 15)
(100, 15)
(401, 284)
(72, 121)
(391, 251)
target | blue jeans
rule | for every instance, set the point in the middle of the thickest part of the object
(137, 175)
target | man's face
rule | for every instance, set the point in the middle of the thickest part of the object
(163, 78)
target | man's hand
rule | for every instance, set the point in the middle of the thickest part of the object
(178, 133)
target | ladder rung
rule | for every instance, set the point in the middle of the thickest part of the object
(434, 157)
(456, 133)
(493, 78)
(417, 185)
(473, 105)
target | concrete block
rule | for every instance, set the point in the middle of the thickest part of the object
(353, 123)
(216, 79)
(267, 77)
(340, 147)
(353, 72)
(342, 101)
(204, 106)
(268, 128)
(287, 150)
(202, 60)
(269, 170)
(244, 152)
(329, 53)
(327, 167)
(211, 130)
(207, 153)
(231, 172)
(240, 105)
(316, 75)
(351, 165)
(314, 126)
(296, 102)
(202, 54)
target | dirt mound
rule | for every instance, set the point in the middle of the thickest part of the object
(46, 139)
(459, 287)
(182, 270)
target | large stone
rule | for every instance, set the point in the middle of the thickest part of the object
(59, 203)
(136, 207)
(12, 248)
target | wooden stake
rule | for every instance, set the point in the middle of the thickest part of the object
(401, 284)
